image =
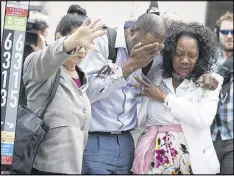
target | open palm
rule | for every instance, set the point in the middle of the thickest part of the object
(87, 32)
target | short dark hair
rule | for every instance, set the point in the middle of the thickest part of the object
(74, 18)
(206, 42)
(153, 24)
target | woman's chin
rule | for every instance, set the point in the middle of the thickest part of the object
(184, 74)
(78, 61)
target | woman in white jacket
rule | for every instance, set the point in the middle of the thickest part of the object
(178, 110)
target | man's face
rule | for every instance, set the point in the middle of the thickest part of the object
(226, 35)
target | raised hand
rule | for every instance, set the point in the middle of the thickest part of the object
(145, 53)
(141, 56)
(88, 32)
(84, 35)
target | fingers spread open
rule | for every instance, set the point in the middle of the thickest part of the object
(138, 86)
(93, 24)
(86, 21)
(145, 84)
(98, 33)
(98, 27)
(146, 79)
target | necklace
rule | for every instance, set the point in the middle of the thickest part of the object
(181, 78)
(177, 77)
(69, 68)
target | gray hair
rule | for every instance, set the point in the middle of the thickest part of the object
(153, 24)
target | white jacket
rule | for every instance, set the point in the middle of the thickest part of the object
(192, 107)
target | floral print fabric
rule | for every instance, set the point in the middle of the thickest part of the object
(171, 154)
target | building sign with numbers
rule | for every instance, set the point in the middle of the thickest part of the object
(11, 66)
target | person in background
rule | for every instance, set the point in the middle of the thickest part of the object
(222, 128)
(37, 25)
(177, 109)
(224, 32)
(69, 113)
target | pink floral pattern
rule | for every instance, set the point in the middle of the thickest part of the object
(170, 155)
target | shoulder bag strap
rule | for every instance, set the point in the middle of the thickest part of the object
(53, 91)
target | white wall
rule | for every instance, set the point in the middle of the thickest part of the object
(113, 13)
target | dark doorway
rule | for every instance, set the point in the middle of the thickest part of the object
(215, 9)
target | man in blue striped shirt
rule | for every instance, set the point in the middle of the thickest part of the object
(110, 147)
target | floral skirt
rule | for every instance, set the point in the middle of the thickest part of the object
(171, 154)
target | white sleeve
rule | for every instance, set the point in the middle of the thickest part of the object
(200, 114)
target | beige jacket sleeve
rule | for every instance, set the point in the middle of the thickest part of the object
(42, 64)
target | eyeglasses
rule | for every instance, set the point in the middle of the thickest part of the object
(226, 32)
(72, 52)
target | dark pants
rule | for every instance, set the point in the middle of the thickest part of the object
(37, 172)
(224, 150)
(108, 154)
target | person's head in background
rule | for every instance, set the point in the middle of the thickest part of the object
(37, 31)
(148, 28)
(224, 28)
(42, 20)
(67, 25)
(190, 50)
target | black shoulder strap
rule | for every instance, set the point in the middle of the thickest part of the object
(49, 99)
(111, 34)
(224, 92)
(22, 96)
(226, 70)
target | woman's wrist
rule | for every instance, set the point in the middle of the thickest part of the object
(69, 44)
